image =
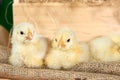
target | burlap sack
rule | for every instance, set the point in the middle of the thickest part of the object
(80, 72)
(4, 54)
(8, 71)
(99, 67)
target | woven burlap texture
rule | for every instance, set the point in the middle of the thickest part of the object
(97, 70)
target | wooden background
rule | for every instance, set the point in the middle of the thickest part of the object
(87, 21)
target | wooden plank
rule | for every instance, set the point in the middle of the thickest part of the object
(4, 79)
(86, 22)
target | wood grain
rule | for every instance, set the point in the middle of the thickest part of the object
(86, 22)
(4, 79)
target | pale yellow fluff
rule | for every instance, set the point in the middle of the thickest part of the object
(28, 48)
(104, 49)
(66, 51)
(115, 37)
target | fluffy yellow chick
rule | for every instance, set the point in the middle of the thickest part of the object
(104, 49)
(115, 37)
(66, 51)
(28, 48)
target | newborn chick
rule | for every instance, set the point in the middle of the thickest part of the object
(66, 50)
(103, 49)
(28, 48)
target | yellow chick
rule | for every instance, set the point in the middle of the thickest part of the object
(28, 48)
(115, 37)
(103, 49)
(66, 51)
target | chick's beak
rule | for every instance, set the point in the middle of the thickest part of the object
(29, 36)
(61, 43)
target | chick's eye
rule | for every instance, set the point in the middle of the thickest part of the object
(56, 40)
(21, 32)
(68, 40)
